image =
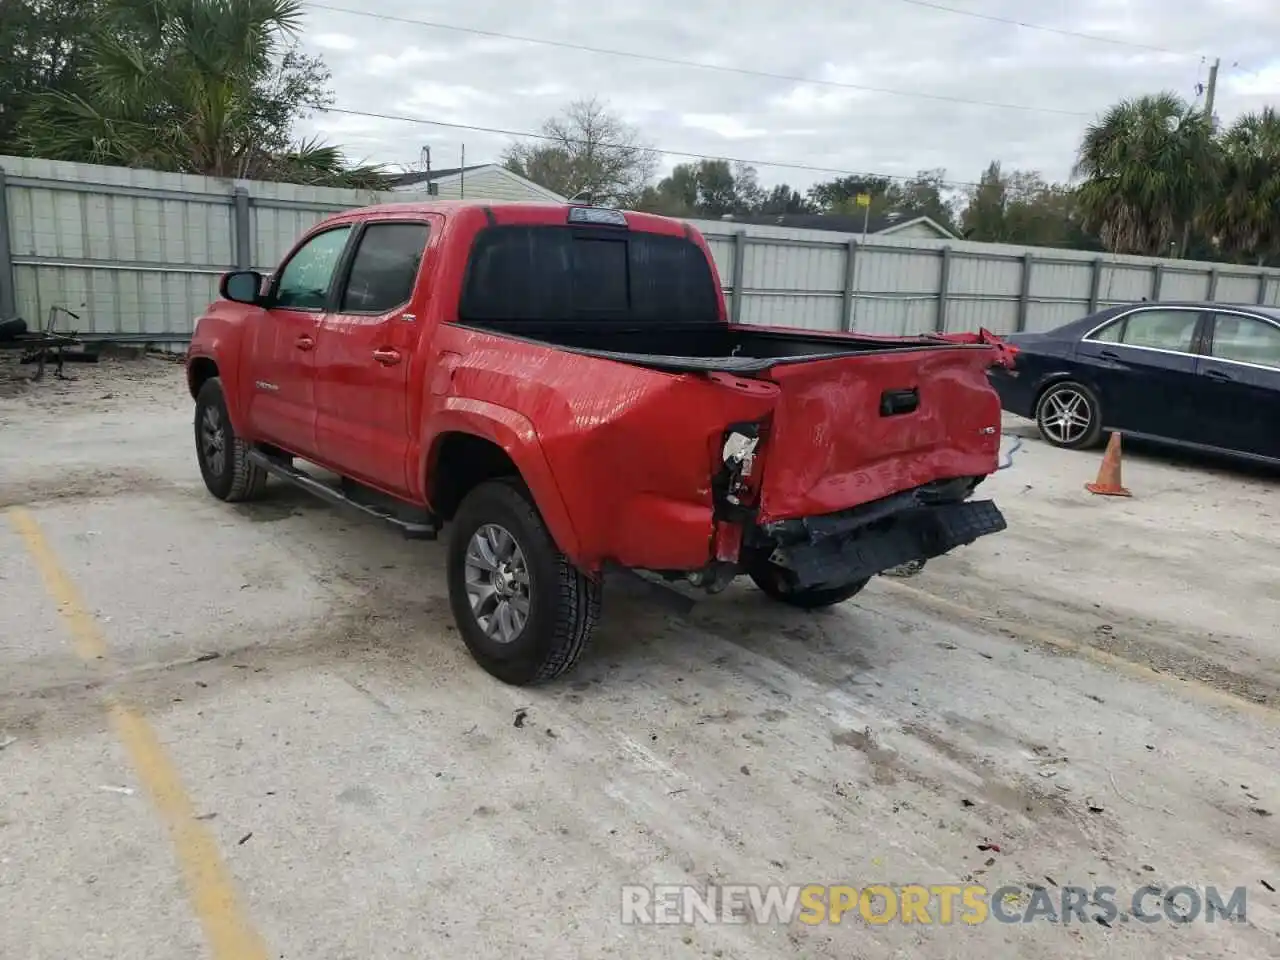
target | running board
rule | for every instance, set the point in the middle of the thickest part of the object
(412, 529)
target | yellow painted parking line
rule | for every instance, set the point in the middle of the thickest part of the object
(1197, 689)
(227, 928)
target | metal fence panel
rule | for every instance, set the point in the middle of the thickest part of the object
(1122, 283)
(1184, 285)
(136, 252)
(803, 311)
(1234, 288)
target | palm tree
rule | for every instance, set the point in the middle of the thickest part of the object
(1245, 216)
(188, 86)
(1148, 164)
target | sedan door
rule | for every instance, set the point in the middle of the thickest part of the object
(1242, 378)
(1144, 366)
(367, 346)
(280, 367)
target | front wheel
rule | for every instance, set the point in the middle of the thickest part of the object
(1069, 416)
(524, 611)
(776, 584)
(224, 461)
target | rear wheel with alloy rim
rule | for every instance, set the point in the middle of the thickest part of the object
(497, 583)
(1069, 416)
(524, 610)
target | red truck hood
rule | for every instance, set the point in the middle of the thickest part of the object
(846, 431)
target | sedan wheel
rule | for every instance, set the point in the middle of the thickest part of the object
(1069, 416)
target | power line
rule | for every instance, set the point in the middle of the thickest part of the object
(1096, 38)
(673, 61)
(687, 154)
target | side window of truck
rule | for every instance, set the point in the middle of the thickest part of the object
(305, 279)
(385, 267)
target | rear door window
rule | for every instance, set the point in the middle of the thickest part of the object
(550, 273)
(1246, 340)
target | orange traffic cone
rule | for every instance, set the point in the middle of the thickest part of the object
(1108, 483)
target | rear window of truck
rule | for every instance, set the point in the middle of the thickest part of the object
(550, 273)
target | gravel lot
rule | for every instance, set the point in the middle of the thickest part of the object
(268, 703)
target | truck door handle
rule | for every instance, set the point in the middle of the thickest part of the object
(386, 356)
(1219, 376)
(304, 342)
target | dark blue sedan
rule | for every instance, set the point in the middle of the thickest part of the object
(1200, 375)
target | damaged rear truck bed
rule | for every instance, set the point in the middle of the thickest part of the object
(560, 384)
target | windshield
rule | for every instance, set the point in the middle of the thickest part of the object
(550, 273)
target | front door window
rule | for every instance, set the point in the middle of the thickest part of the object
(305, 280)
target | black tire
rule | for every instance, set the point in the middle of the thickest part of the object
(1075, 437)
(776, 584)
(562, 604)
(12, 328)
(231, 477)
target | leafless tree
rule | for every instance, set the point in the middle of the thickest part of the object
(587, 150)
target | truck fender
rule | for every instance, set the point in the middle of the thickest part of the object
(515, 435)
(207, 362)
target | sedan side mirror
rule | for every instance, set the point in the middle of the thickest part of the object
(241, 286)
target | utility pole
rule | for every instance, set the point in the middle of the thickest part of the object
(1211, 89)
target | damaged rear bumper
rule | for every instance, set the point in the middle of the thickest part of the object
(860, 543)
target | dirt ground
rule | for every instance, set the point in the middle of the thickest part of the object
(240, 732)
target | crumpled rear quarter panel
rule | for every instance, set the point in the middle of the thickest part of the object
(632, 450)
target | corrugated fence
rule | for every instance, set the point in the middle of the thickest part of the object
(137, 255)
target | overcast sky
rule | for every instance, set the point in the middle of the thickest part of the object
(444, 75)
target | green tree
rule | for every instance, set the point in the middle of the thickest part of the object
(195, 86)
(925, 193)
(587, 150)
(840, 195)
(1244, 214)
(708, 188)
(1147, 166)
(1021, 207)
(784, 199)
(984, 217)
(43, 46)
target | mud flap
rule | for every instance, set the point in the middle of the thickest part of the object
(921, 533)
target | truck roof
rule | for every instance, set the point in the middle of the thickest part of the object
(515, 212)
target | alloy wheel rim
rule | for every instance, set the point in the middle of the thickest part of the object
(497, 582)
(213, 440)
(1066, 415)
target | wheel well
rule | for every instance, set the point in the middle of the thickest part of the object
(459, 463)
(201, 370)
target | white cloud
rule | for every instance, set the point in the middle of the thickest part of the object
(445, 75)
(443, 96)
(1262, 83)
(403, 64)
(810, 100)
(334, 41)
(722, 125)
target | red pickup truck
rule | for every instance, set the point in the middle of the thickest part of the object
(561, 384)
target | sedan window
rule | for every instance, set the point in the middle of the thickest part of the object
(1156, 329)
(1246, 340)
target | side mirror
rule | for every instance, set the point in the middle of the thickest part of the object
(241, 286)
